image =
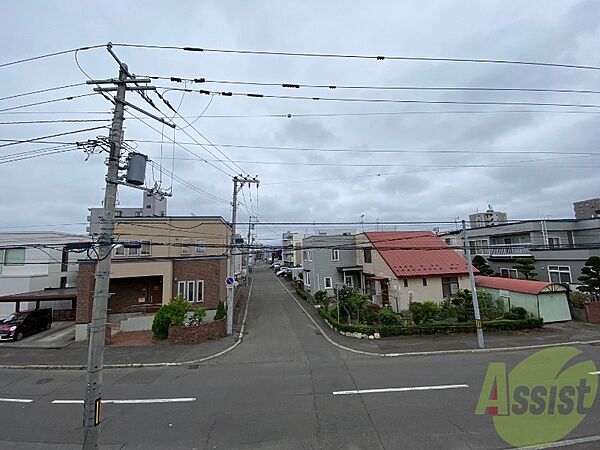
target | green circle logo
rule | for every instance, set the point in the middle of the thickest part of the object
(542, 399)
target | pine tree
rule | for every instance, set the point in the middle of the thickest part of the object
(526, 267)
(481, 264)
(591, 276)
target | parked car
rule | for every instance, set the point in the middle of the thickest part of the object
(283, 271)
(20, 324)
(275, 265)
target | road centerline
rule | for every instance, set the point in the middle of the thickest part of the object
(130, 401)
(16, 400)
(402, 389)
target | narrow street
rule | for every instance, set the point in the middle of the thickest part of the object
(275, 390)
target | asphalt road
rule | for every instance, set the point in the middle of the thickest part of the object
(275, 391)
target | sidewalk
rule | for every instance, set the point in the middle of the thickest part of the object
(551, 334)
(75, 355)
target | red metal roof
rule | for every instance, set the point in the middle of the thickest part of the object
(417, 253)
(511, 284)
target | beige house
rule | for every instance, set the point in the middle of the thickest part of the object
(157, 258)
(404, 266)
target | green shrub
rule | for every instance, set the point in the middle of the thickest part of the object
(490, 308)
(423, 312)
(320, 296)
(516, 313)
(221, 311)
(301, 293)
(198, 316)
(174, 313)
(388, 317)
(447, 309)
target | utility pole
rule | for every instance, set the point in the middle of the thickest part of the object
(238, 183)
(480, 340)
(93, 394)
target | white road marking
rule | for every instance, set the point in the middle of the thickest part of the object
(130, 402)
(16, 400)
(402, 389)
(564, 443)
(595, 373)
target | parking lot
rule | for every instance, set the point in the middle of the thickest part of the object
(59, 335)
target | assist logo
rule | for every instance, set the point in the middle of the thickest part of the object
(542, 399)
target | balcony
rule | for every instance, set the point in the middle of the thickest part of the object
(510, 250)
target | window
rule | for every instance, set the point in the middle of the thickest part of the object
(200, 247)
(118, 213)
(370, 288)
(348, 280)
(64, 261)
(449, 286)
(328, 284)
(14, 257)
(120, 250)
(307, 278)
(335, 255)
(185, 249)
(134, 251)
(509, 273)
(405, 282)
(181, 289)
(190, 291)
(479, 247)
(308, 255)
(553, 242)
(139, 213)
(367, 255)
(146, 249)
(1, 260)
(559, 274)
(424, 281)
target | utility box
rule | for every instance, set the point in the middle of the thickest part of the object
(136, 168)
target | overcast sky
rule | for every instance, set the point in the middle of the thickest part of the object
(334, 186)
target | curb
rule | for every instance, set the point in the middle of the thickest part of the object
(434, 352)
(239, 340)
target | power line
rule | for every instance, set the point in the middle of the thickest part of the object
(49, 55)
(72, 97)
(24, 94)
(366, 57)
(51, 136)
(38, 155)
(24, 122)
(333, 86)
(383, 100)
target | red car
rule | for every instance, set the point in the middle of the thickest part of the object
(20, 324)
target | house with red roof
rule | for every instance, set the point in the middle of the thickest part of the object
(403, 266)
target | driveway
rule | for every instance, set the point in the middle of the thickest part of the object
(60, 335)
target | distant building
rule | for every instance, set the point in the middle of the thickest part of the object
(151, 207)
(587, 209)
(488, 218)
(291, 254)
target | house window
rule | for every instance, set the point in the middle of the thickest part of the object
(14, 257)
(190, 291)
(370, 288)
(120, 251)
(134, 251)
(118, 213)
(335, 255)
(405, 282)
(449, 286)
(367, 255)
(559, 274)
(200, 247)
(424, 281)
(146, 249)
(553, 242)
(1, 260)
(181, 289)
(185, 249)
(307, 278)
(348, 280)
(199, 291)
(139, 213)
(309, 255)
(327, 281)
(509, 273)
(479, 247)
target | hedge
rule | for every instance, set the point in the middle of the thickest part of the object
(432, 328)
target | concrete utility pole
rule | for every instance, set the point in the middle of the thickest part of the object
(478, 326)
(93, 395)
(238, 183)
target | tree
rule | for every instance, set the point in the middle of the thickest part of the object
(526, 267)
(481, 264)
(590, 276)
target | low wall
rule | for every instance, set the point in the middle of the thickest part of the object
(579, 314)
(197, 334)
(593, 312)
(138, 323)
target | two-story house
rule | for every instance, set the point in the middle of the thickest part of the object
(31, 262)
(329, 260)
(560, 247)
(157, 258)
(403, 266)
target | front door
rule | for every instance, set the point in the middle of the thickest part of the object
(385, 293)
(154, 291)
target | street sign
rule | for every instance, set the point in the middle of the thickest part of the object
(229, 281)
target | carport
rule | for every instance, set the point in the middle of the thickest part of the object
(62, 301)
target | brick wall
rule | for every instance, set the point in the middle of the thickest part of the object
(200, 333)
(85, 292)
(212, 271)
(593, 312)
